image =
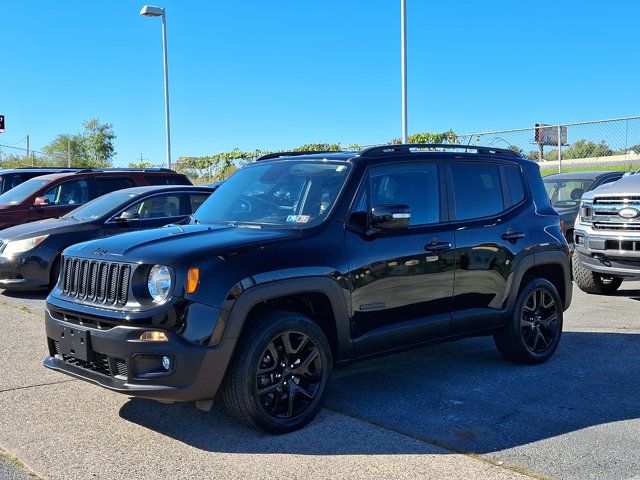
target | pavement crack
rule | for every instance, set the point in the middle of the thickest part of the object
(38, 385)
(437, 443)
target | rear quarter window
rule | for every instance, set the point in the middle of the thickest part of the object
(514, 182)
(167, 180)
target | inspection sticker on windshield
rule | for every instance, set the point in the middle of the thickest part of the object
(298, 218)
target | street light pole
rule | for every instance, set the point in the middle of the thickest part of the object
(149, 11)
(403, 61)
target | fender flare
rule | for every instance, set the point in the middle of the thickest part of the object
(292, 286)
(535, 260)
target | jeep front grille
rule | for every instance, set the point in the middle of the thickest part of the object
(96, 281)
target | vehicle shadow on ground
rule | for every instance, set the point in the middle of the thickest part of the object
(24, 295)
(461, 395)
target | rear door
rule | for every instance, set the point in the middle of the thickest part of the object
(402, 281)
(489, 232)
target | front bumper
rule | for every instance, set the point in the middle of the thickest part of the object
(116, 359)
(608, 252)
(24, 271)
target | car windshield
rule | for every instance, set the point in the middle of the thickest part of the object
(21, 192)
(297, 193)
(100, 206)
(566, 193)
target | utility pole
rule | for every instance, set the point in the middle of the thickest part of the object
(403, 61)
(68, 153)
(27, 147)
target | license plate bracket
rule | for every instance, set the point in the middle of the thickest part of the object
(75, 342)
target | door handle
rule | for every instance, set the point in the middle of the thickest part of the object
(437, 247)
(513, 237)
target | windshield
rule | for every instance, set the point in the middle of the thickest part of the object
(21, 192)
(100, 206)
(283, 193)
(566, 193)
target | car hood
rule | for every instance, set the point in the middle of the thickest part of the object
(167, 244)
(49, 226)
(629, 185)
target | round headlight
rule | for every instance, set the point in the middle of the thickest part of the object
(159, 283)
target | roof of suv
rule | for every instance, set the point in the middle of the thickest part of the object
(385, 151)
(107, 172)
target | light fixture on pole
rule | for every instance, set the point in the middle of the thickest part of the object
(403, 62)
(149, 11)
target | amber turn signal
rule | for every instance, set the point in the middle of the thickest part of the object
(153, 336)
(193, 278)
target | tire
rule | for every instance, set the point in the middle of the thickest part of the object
(292, 376)
(593, 282)
(532, 334)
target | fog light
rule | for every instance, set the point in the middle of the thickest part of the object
(154, 336)
(166, 363)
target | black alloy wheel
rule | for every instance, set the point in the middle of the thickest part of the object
(277, 379)
(532, 332)
(288, 375)
(539, 321)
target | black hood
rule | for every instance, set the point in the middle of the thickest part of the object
(167, 244)
(50, 226)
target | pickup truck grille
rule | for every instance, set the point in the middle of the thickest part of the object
(616, 200)
(628, 227)
(96, 281)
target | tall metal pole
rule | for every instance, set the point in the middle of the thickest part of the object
(166, 86)
(27, 156)
(403, 59)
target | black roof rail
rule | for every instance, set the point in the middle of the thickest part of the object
(46, 168)
(406, 148)
(292, 154)
(124, 169)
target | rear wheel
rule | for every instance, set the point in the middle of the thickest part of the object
(593, 282)
(277, 380)
(533, 332)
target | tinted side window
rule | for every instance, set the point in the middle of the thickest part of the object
(195, 200)
(108, 185)
(477, 190)
(414, 185)
(159, 206)
(514, 181)
(168, 180)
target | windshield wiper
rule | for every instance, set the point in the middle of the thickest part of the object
(243, 225)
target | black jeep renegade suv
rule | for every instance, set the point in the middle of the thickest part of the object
(303, 262)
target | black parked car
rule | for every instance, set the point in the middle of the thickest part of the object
(300, 264)
(30, 253)
(566, 189)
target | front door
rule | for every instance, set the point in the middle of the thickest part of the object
(63, 198)
(402, 281)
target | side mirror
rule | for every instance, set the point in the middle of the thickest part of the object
(41, 202)
(390, 217)
(127, 216)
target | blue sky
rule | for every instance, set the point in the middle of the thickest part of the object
(280, 73)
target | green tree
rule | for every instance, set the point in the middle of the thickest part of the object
(141, 164)
(92, 147)
(581, 149)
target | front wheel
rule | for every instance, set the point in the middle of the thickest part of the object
(277, 380)
(533, 332)
(593, 282)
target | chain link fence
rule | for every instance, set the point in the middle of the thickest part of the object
(599, 145)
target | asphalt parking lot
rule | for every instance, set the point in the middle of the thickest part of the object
(450, 411)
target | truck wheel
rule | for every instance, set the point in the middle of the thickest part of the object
(533, 332)
(277, 379)
(593, 282)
